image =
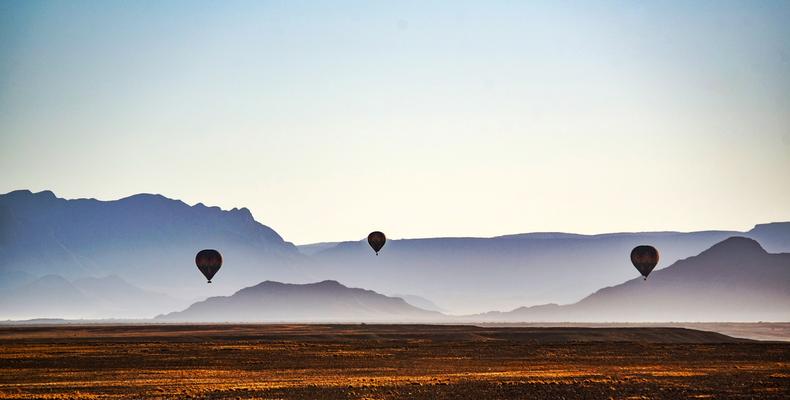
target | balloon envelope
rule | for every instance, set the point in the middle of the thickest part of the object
(644, 258)
(376, 240)
(208, 262)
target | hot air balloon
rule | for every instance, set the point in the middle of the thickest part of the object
(376, 240)
(208, 262)
(644, 258)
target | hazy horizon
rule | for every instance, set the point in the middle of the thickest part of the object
(328, 120)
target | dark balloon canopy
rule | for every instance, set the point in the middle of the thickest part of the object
(376, 240)
(644, 258)
(208, 262)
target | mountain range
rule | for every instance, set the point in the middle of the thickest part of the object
(148, 242)
(469, 275)
(734, 280)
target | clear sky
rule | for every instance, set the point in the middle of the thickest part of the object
(331, 119)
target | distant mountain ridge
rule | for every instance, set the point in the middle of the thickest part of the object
(507, 271)
(146, 239)
(53, 296)
(150, 241)
(734, 280)
(314, 302)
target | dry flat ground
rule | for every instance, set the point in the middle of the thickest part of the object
(773, 331)
(385, 362)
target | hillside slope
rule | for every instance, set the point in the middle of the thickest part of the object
(148, 240)
(734, 280)
(316, 302)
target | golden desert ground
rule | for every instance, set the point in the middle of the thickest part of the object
(385, 362)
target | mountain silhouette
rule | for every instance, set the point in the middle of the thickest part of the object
(106, 297)
(148, 240)
(48, 296)
(315, 302)
(117, 298)
(467, 275)
(774, 237)
(420, 302)
(734, 280)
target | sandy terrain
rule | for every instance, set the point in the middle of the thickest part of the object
(772, 331)
(385, 362)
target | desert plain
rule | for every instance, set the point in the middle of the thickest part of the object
(289, 361)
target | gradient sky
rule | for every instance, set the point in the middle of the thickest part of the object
(329, 120)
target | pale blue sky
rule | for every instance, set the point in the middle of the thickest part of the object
(332, 119)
